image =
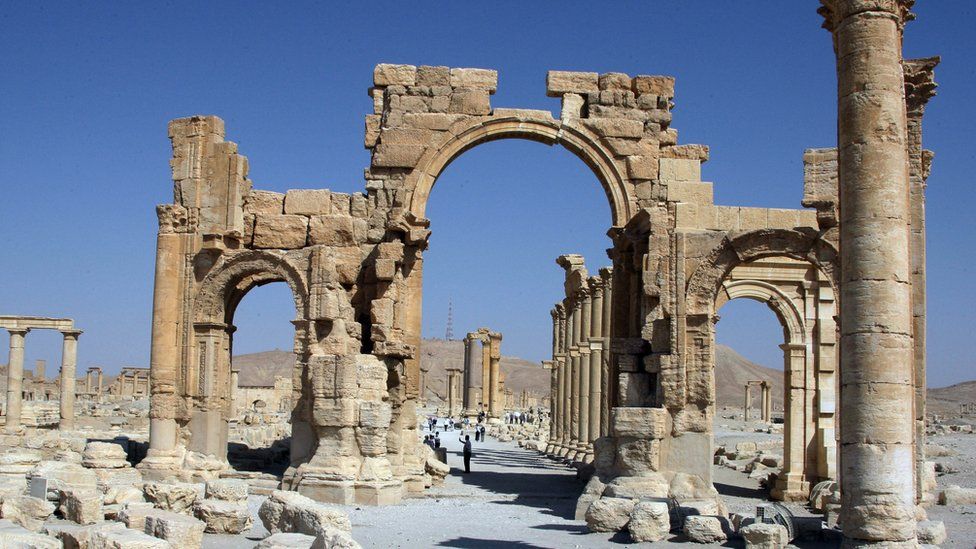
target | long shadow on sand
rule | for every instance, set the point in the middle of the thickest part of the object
(533, 481)
(475, 543)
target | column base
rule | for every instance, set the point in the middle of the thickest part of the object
(790, 487)
(348, 492)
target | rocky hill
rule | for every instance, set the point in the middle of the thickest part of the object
(731, 373)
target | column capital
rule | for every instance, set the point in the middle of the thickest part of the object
(920, 83)
(71, 334)
(836, 11)
(18, 331)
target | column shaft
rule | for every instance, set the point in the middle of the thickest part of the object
(15, 377)
(584, 384)
(877, 453)
(69, 362)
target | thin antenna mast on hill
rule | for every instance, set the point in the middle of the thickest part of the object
(449, 334)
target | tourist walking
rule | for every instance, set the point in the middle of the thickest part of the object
(466, 452)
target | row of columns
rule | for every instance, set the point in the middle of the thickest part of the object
(580, 351)
(15, 377)
(766, 403)
(492, 399)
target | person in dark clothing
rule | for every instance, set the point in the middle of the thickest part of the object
(467, 453)
(437, 439)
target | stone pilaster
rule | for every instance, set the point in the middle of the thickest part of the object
(15, 377)
(606, 274)
(877, 357)
(496, 403)
(596, 359)
(69, 364)
(470, 390)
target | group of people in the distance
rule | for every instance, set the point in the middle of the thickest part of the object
(464, 424)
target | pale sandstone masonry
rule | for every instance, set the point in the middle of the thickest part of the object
(354, 263)
(877, 362)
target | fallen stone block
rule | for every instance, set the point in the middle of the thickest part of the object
(331, 538)
(179, 530)
(27, 511)
(609, 514)
(104, 455)
(226, 489)
(223, 517)
(15, 536)
(126, 539)
(292, 512)
(704, 529)
(82, 507)
(649, 521)
(133, 515)
(75, 536)
(286, 541)
(932, 532)
(957, 495)
(178, 498)
(63, 476)
(765, 536)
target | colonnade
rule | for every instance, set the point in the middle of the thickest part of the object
(132, 382)
(579, 366)
(492, 399)
(93, 381)
(18, 327)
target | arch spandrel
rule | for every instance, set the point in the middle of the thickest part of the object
(706, 281)
(469, 133)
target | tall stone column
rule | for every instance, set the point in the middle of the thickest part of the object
(596, 359)
(496, 404)
(605, 378)
(567, 375)
(748, 403)
(574, 395)
(767, 404)
(485, 369)
(15, 376)
(559, 404)
(69, 363)
(234, 381)
(470, 391)
(763, 401)
(586, 304)
(877, 415)
(99, 386)
(88, 382)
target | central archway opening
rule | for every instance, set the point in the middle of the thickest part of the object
(500, 215)
(262, 365)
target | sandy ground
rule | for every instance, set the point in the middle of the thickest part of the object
(520, 499)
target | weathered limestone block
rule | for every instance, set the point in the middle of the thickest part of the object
(614, 81)
(661, 86)
(649, 521)
(436, 469)
(932, 532)
(615, 127)
(264, 202)
(74, 536)
(14, 536)
(428, 75)
(685, 486)
(82, 507)
(332, 538)
(280, 231)
(15, 464)
(397, 156)
(705, 529)
(178, 498)
(126, 539)
(472, 101)
(65, 476)
(648, 423)
(474, 78)
(609, 514)
(765, 536)
(226, 489)
(27, 511)
(957, 495)
(115, 478)
(223, 517)
(560, 82)
(133, 514)
(286, 511)
(308, 202)
(104, 455)
(286, 541)
(386, 74)
(653, 485)
(178, 529)
(333, 230)
(679, 169)
(591, 492)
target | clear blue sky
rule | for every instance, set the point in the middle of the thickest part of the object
(86, 91)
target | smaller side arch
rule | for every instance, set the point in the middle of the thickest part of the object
(781, 304)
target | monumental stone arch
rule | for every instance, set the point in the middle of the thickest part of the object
(354, 263)
(792, 271)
